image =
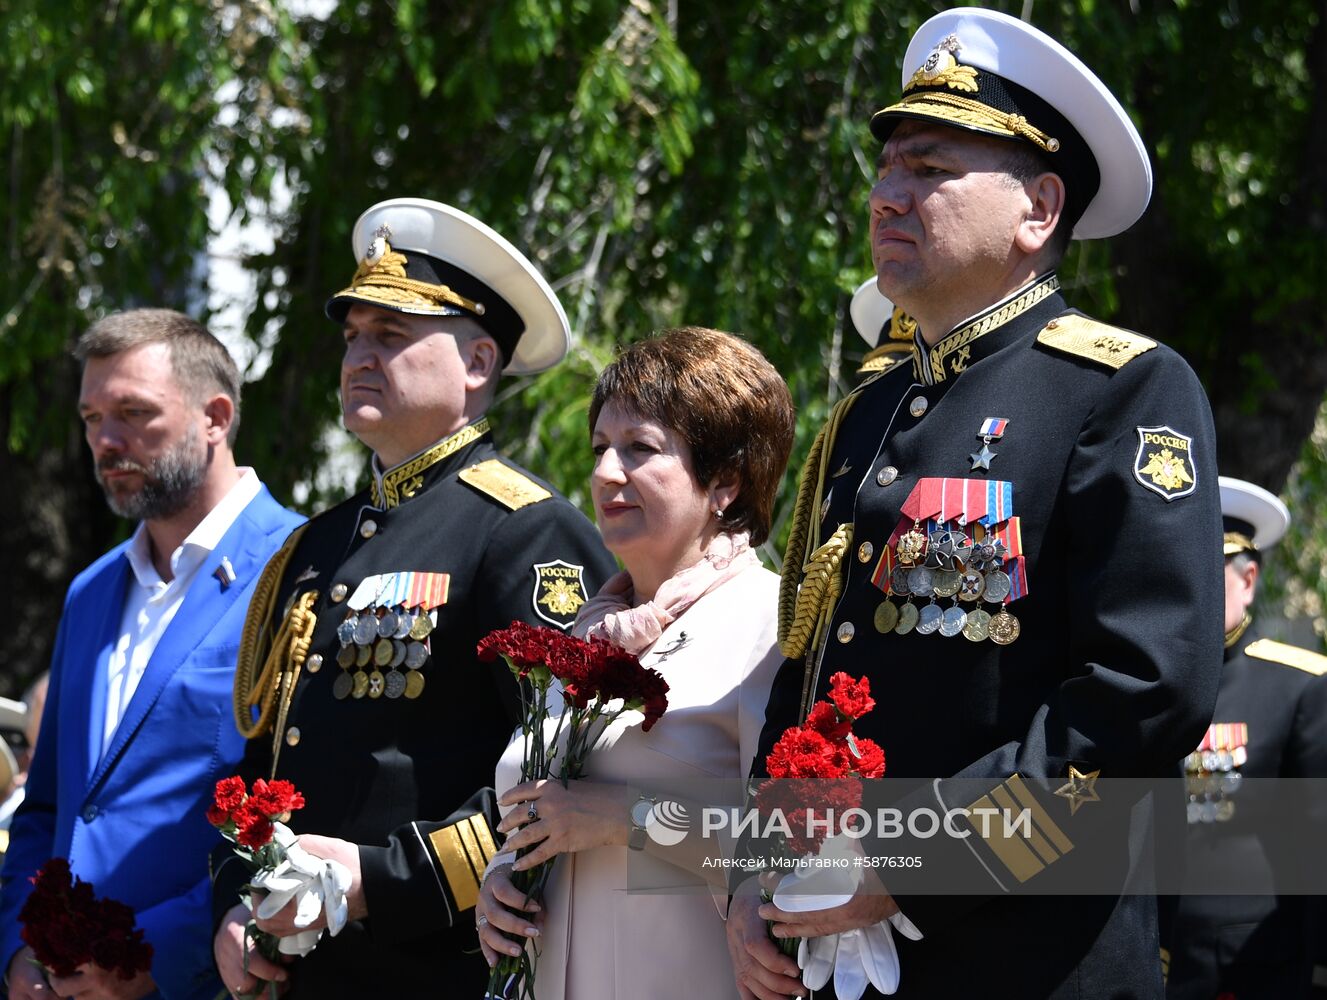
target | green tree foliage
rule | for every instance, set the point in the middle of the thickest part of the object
(112, 117)
(664, 163)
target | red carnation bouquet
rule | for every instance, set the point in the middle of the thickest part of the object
(254, 820)
(816, 770)
(598, 681)
(249, 820)
(66, 926)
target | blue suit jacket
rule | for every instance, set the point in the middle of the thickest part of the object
(132, 821)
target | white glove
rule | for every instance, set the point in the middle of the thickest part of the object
(868, 954)
(815, 957)
(316, 884)
(856, 957)
(821, 884)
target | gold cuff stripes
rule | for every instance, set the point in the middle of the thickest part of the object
(463, 850)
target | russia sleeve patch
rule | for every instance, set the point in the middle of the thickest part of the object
(559, 592)
(1164, 462)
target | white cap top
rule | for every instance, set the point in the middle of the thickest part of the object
(870, 311)
(1015, 51)
(528, 323)
(1255, 506)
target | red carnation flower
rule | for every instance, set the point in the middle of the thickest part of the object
(576, 665)
(252, 828)
(799, 800)
(825, 719)
(805, 753)
(621, 675)
(275, 798)
(67, 926)
(869, 760)
(852, 698)
(229, 793)
(523, 646)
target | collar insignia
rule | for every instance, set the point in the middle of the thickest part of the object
(404, 481)
(951, 356)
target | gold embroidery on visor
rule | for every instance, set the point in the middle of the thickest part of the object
(381, 277)
(974, 114)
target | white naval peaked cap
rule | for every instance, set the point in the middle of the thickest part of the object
(425, 258)
(1253, 512)
(872, 314)
(1027, 86)
(13, 715)
(870, 311)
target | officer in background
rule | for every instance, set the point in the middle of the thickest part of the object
(1270, 722)
(1000, 536)
(386, 721)
(887, 331)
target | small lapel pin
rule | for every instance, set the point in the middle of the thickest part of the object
(308, 574)
(225, 573)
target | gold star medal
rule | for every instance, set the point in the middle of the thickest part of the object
(1080, 788)
(992, 429)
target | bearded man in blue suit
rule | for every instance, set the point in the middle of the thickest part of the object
(137, 727)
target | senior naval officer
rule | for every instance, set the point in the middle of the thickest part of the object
(1000, 536)
(358, 680)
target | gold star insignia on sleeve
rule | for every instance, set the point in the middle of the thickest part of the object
(1080, 788)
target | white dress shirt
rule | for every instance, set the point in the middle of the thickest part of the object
(150, 602)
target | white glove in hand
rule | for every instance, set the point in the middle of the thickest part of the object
(853, 958)
(316, 884)
(822, 884)
(815, 957)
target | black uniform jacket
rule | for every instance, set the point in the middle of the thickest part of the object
(1117, 661)
(388, 773)
(1272, 712)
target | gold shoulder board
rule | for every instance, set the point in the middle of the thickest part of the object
(883, 358)
(1099, 342)
(509, 487)
(1291, 656)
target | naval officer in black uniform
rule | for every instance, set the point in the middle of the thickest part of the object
(1270, 722)
(1001, 536)
(358, 679)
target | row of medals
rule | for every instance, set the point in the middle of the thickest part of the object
(1210, 777)
(947, 563)
(374, 644)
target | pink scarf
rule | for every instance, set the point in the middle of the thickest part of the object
(612, 613)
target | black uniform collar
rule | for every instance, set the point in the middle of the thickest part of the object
(970, 342)
(401, 482)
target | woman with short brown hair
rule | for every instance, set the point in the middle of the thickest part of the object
(691, 432)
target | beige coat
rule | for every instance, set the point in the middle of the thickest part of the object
(602, 941)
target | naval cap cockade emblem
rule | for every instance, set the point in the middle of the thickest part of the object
(559, 591)
(379, 247)
(1164, 462)
(941, 69)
